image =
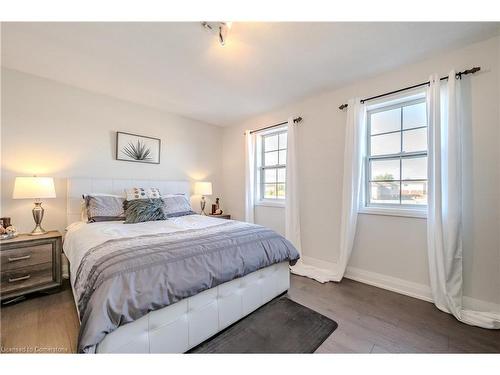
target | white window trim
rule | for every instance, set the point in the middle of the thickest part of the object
(270, 203)
(259, 201)
(389, 211)
(386, 210)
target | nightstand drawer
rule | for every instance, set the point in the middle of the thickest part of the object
(26, 256)
(26, 277)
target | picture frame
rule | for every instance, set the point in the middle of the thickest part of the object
(137, 148)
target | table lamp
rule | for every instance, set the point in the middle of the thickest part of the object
(203, 188)
(35, 188)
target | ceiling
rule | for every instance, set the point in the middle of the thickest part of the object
(181, 68)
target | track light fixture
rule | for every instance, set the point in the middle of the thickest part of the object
(221, 28)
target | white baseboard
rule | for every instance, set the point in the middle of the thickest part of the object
(480, 305)
(401, 286)
(394, 284)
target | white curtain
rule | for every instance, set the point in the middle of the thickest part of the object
(444, 220)
(352, 187)
(250, 140)
(292, 207)
(354, 153)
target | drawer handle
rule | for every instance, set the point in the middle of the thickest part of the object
(19, 278)
(19, 258)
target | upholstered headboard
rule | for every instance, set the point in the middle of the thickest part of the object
(79, 186)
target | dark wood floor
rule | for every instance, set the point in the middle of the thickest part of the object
(374, 320)
(371, 320)
(42, 323)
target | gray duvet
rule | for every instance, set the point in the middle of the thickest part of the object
(122, 280)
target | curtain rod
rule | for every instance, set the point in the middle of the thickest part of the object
(458, 76)
(295, 120)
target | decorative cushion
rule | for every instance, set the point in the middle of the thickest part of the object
(141, 210)
(177, 205)
(102, 207)
(141, 193)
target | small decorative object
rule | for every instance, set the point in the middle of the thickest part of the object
(8, 236)
(8, 233)
(35, 188)
(216, 208)
(203, 189)
(11, 229)
(138, 148)
(5, 222)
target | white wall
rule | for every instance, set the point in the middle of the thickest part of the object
(391, 247)
(53, 129)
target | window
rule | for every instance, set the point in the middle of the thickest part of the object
(271, 164)
(396, 163)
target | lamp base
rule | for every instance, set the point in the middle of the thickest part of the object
(38, 231)
(38, 216)
(203, 204)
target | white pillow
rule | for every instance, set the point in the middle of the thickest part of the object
(142, 193)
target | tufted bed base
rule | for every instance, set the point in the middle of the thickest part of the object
(187, 323)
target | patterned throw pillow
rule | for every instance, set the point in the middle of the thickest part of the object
(177, 205)
(142, 193)
(141, 210)
(102, 207)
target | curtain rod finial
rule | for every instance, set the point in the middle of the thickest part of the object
(468, 71)
(343, 106)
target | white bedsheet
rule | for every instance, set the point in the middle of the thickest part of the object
(81, 236)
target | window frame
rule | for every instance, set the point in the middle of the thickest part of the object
(408, 210)
(260, 169)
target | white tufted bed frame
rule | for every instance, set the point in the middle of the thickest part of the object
(187, 323)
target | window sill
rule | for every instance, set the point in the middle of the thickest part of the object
(402, 212)
(265, 203)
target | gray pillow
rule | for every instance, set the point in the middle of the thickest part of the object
(141, 210)
(104, 208)
(177, 205)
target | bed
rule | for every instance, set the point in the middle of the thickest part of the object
(166, 286)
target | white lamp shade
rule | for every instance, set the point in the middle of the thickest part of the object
(34, 188)
(203, 188)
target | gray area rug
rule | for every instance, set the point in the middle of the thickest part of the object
(281, 326)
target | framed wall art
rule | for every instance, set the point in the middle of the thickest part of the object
(137, 148)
